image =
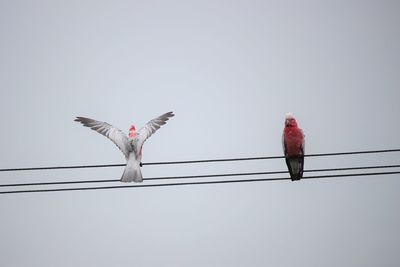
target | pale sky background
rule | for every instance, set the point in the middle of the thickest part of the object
(230, 70)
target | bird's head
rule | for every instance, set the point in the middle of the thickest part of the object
(290, 121)
(132, 131)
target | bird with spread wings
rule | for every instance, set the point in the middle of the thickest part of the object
(131, 145)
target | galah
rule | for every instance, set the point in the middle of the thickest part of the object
(293, 147)
(131, 145)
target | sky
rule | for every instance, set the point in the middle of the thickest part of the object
(229, 70)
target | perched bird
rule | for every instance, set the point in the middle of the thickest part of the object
(293, 147)
(131, 145)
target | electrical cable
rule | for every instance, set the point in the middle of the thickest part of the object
(197, 161)
(198, 176)
(196, 183)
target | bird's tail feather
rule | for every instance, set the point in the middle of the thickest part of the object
(132, 173)
(295, 165)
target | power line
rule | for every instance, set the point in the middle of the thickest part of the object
(197, 183)
(198, 161)
(62, 167)
(272, 157)
(199, 176)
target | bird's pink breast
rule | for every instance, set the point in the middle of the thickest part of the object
(293, 140)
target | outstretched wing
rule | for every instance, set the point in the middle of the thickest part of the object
(151, 127)
(109, 131)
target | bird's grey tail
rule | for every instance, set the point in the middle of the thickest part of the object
(295, 166)
(132, 173)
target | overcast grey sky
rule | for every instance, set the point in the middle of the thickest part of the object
(230, 70)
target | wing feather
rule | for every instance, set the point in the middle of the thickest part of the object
(303, 144)
(151, 127)
(284, 144)
(109, 131)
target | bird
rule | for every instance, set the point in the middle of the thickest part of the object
(293, 147)
(131, 145)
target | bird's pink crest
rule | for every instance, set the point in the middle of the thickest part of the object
(132, 131)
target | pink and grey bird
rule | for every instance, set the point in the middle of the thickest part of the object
(293, 147)
(131, 145)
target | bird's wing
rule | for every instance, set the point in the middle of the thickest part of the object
(109, 131)
(151, 127)
(303, 144)
(283, 143)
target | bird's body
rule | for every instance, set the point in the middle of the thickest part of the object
(132, 172)
(293, 147)
(131, 145)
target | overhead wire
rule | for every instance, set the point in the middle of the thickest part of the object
(273, 157)
(197, 183)
(196, 161)
(199, 176)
